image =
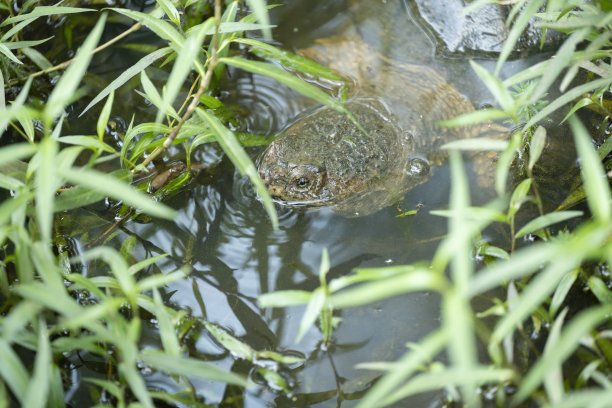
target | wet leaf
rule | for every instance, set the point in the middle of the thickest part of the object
(189, 367)
(13, 372)
(118, 190)
(313, 309)
(536, 146)
(43, 11)
(570, 338)
(232, 344)
(546, 220)
(595, 183)
(274, 380)
(495, 86)
(287, 79)
(241, 160)
(284, 298)
(64, 90)
(127, 74)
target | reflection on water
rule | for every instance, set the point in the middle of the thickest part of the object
(223, 233)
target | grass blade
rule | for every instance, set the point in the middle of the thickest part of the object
(189, 367)
(593, 176)
(46, 186)
(241, 160)
(261, 12)
(38, 388)
(568, 341)
(546, 220)
(44, 11)
(104, 115)
(117, 190)
(12, 371)
(161, 28)
(285, 78)
(128, 74)
(64, 90)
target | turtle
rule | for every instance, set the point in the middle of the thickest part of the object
(360, 163)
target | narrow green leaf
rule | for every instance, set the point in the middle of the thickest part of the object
(136, 383)
(181, 68)
(546, 220)
(13, 372)
(418, 280)
(284, 298)
(517, 29)
(241, 160)
(505, 161)
(14, 152)
(167, 331)
(600, 290)
(478, 143)
(64, 90)
(518, 197)
(558, 63)
(568, 341)
(170, 11)
(117, 190)
(593, 176)
(536, 146)
(154, 97)
(7, 53)
(313, 309)
(104, 115)
(43, 11)
(23, 44)
(290, 60)
(561, 291)
(261, 12)
(231, 343)
(160, 27)
(139, 266)
(38, 58)
(407, 365)
(117, 264)
(38, 388)
(46, 186)
(189, 367)
(127, 74)
(566, 98)
(495, 86)
(285, 78)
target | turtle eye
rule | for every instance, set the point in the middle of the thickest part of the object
(301, 182)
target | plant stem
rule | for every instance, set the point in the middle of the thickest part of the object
(196, 98)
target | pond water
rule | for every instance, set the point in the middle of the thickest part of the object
(224, 234)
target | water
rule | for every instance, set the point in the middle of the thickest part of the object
(224, 234)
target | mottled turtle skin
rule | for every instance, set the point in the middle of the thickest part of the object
(324, 159)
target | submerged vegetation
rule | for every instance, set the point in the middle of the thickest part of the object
(51, 311)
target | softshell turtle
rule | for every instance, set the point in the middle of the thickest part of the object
(324, 159)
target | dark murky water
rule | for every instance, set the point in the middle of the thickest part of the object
(224, 233)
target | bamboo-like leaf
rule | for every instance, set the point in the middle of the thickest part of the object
(261, 12)
(403, 368)
(600, 290)
(313, 309)
(127, 74)
(189, 367)
(104, 115)
(118, 190)
(517, 29)
(166, 328)
(170, 11)
(504, 162)
(558, 63)
(495, 86)
(568, 341)
(284, 298)
(518, 197)
(7, 53)
(536, 146)
(478, 116)
(136, 383)
(117, 265)
(38, 388)
(285, 78)
(566, 98)
(37, 58)
(181, 68)
(243, 163)
(13, 372)
(289, 59)
(561, 291)
(232, 344)
(595, 185)
(478, 143)
(161, 28)
(24, 44)
(546, 220)
(15, 152)
(43, 11)
(65, 88)
(47, 183)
